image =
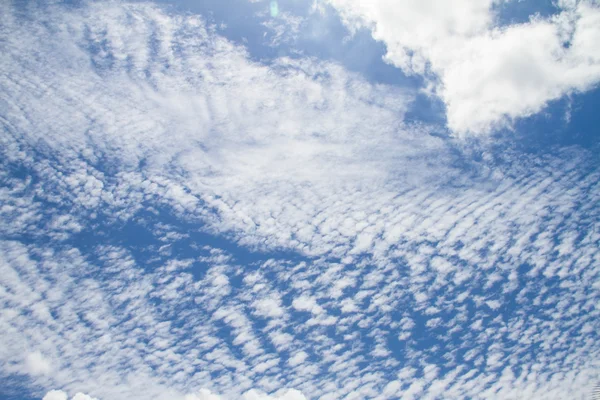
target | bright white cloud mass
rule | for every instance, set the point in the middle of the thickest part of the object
(486, 73)
(183, 220)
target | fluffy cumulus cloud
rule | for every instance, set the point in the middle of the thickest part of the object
(56, 395)
(290, 394)
(179, 221)
(487, 73)
(203, 394)
(60, 395)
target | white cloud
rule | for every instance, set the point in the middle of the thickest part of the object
(297, 155)
(55, 395)
(307, 303)
(60, 395)
(487, 75)
(203, 394)
(286, 394)
(37, 364)
(392, 388)
(81, 396)
(252, 394)
(298, 358)
(268, 307)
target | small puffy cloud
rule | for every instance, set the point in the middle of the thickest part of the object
(203, 394)
(392, 388)
(306, 303)
(298, 358)
(81, 396)
(493, 304)
(290, 394)
(37, 364)
(286, 394)
(441, 265)
(55, 395)
(60, 395)
(268, 307)
(252, 394)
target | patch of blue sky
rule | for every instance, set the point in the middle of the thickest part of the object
(141, 235)
(13, 388)
(320, 34)
(521, 11)
(570, 121)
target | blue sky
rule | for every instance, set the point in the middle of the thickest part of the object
(341, 199)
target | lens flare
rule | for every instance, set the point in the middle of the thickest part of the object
(274, 8)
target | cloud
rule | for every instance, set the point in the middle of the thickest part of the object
(203, 394)
(298, 358)
(60, 395)
(286, 394)
(404, 275)
(268, 307)
(37, 364)
(306, 303)
(81, 396)
(55, 395)
(486, 74)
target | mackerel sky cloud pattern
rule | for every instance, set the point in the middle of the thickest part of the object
(192, 209)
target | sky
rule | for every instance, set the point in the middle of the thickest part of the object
(299, 199)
